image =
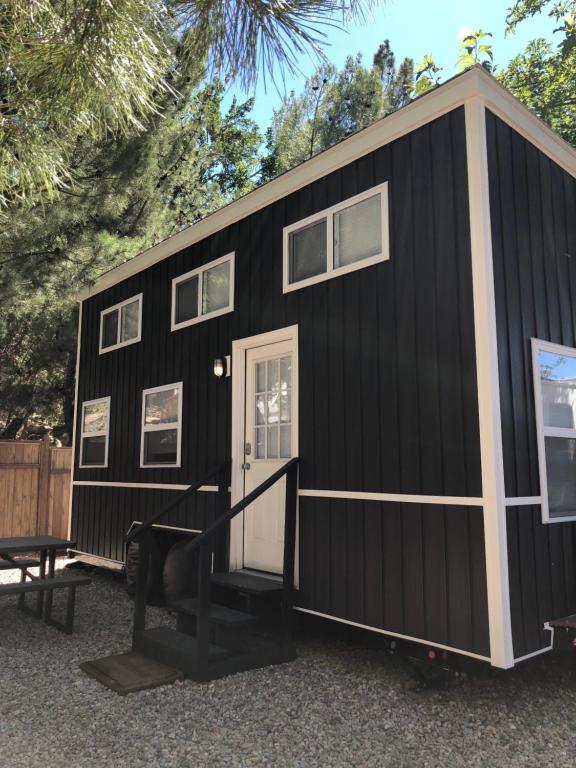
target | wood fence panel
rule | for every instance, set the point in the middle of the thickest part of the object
(35, 485)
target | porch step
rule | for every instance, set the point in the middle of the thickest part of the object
(219, 614)
(247, 583)
(176, 649)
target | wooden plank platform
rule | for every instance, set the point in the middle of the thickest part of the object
(130, 672)
(568, 622)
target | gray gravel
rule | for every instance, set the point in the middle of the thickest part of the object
(344, 702)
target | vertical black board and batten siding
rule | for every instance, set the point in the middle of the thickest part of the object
(388, 398)
(533, 215)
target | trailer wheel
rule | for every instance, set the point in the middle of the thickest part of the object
(180, 574)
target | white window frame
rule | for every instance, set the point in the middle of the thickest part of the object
(541, 430)
(105, 433)
(328, 214)
(118, 308)
(161, 427)
(229, 257)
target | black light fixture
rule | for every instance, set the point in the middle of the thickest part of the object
(222, 366)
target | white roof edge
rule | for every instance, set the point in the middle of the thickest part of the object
(475, 83)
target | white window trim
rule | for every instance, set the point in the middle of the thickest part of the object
(118, 308)
(541, 431)
(229, 257)
(328, 214)
(160, 427)
(105, 433)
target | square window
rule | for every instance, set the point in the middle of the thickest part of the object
(161, 426)
(203, 293)
(555, 394)
(121, 325)
(348, 236)
(94, 427)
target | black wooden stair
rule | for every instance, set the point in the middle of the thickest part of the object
(247, 583)
(236, 621)
(221, 615)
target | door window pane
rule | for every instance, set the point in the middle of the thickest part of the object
(216, 288)
(558, 381)
(110, 329)
(160, 446)
(162, 407)
(130, 317)
(260, 377)
(95, 417)
(307, 249)
(272, 443)
(94, 451)
(358, 232)
(285, 441)
(187, 300)
(260, 441)
(561, 475)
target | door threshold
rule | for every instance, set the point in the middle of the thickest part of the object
(261, 574)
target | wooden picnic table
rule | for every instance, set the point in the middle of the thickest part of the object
(46, 547)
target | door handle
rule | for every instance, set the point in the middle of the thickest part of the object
(246, 465)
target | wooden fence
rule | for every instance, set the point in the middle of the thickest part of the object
(34, 488)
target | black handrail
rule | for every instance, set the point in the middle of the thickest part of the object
(237, 508)
(141, 529)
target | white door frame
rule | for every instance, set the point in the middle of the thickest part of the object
(239, 348)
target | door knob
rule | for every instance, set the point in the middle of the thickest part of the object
(246, 465)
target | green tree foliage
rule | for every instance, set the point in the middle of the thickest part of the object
(334, 104)
(84, 68)
(544, 76)
(127, 195)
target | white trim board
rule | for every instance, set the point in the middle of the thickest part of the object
(523, 501)
(400, 636)
(475, 83)
(491, 452)
(157, 486)
(74, 421)
(464, 501)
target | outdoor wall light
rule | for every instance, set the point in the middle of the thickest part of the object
(222, 366)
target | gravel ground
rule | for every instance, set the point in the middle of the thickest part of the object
(344, 703)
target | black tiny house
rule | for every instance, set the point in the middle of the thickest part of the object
(400, 313)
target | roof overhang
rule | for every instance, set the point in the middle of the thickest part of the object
(475, 83)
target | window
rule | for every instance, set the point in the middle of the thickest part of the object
(121, 324)
(555, 393)
(341, 239)
(161, 426)
(203, 293)
(94, 433)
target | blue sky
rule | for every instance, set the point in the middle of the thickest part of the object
(414, 27)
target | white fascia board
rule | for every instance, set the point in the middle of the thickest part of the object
(476, 82)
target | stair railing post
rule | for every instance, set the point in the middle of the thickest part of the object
(289, 556)
(203, 614)
(222, 505)
(141, 583)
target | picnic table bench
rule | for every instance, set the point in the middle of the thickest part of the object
(44, 583)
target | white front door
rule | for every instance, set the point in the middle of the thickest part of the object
(270, 435)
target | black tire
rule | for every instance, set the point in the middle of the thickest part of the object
(180, 575)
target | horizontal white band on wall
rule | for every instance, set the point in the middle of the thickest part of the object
(398, 635)
(153, 486)
(408, 498)
(523, 501)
